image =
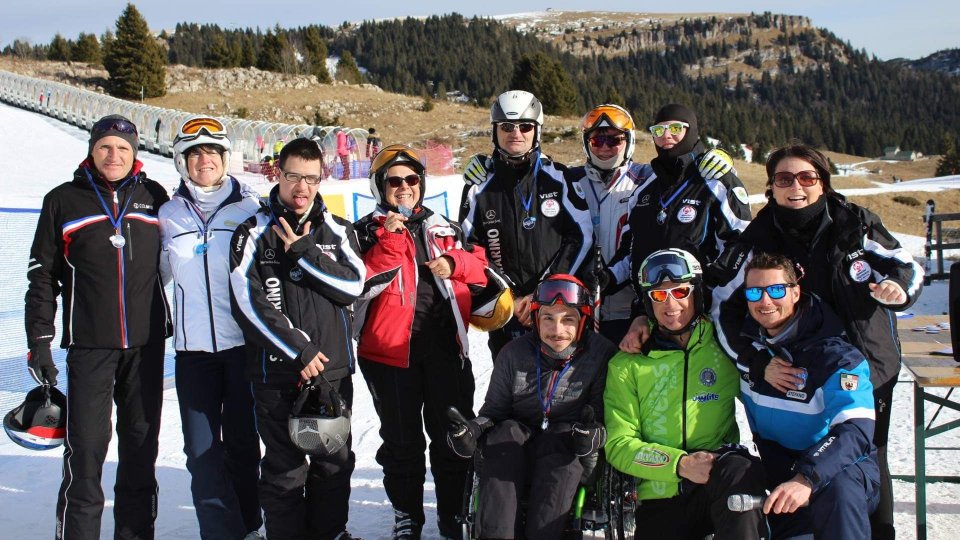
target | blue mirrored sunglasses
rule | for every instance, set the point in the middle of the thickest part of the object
(775, 291)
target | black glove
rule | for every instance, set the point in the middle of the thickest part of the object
(588, 435)
(606, 281)
(463, 434)
(40, 364)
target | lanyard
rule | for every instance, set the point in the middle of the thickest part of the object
(664, 205)
(115, 221)
(609, 187)
(547, 403)
(528, 202)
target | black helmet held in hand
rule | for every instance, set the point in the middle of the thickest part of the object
(40, 422)
(319, 423)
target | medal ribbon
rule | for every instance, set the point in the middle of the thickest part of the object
(547, 403)
(664, 205)
(106, 209)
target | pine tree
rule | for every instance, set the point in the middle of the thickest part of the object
(316, 54)
(271, 53)
(548, 80)
(59, 50)
(135, 61)
(949, 163)
(218, 54)
(86, 49)
(347, 69)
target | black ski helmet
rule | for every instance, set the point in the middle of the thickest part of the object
(318, 425)
(40, 422)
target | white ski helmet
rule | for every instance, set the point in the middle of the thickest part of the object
(608, 116)
(195, 131)
(517, 106)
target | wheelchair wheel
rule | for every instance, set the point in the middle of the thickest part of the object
(622, 504)
(468, 508)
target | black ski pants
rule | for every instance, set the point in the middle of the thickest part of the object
(301, 499)
(97, 378)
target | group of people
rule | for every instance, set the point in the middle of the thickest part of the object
(792, 312)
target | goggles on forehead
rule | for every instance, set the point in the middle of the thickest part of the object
(665, 266)
(567, 292)
(195, 127)
(396, 153)
(615, 117)
(114, 124)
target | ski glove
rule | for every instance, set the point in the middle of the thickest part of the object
(463, 434)
(588, 435)
(714, 164)
(605, 280)
(41, 366)
(477, 169)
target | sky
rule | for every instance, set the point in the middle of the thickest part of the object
(885, 28)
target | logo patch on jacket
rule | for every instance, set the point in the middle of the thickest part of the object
(741, 195)
(651, 458)
(708, 377)
(849, 381)
(860, 270)
(686, 214)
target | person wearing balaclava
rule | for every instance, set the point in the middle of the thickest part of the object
(679, 209)
(97, 248)
(846, 257)
(413, 349)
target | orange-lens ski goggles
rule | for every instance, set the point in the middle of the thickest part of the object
(392, 153)
(616, 117)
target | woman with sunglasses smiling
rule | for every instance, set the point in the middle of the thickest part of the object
(413, 348)
(848, 259)
(97, 247)
(670, 414)
(529, 218)
(680, 208)
(216, 404)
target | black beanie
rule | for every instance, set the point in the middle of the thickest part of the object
(692, 137)
(108, 128)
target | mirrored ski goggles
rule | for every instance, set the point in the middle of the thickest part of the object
(775, 291)
(396, 153)
(395, 181)
(675, 128)
(195, 127)
(663, 267)
(607, 116)
(785, 179)
(524, 127)
(611, 141)
(114, 124)
(679, 292)
(568, 292)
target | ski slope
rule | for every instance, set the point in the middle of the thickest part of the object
(40, 153)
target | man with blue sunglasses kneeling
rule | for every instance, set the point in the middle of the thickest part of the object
(811, 411)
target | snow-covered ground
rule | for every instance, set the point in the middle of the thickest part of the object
(39, 153)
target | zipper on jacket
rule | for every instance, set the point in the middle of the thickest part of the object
(129, 242)
(206, 279)
(686, 367)
(120, 279)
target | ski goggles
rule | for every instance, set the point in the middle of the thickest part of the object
(607, 116)
(775, 291)
(679, 292)
(610, 141)
(395, 181)
(195, 127)
(396, 153)
(569, 293)
(666, 266)
(114, 124)
(785, 179)
(508, 127)
(675, 128)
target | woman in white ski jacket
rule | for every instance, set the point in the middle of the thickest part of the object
(216, 403)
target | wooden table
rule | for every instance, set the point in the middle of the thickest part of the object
(928, 371)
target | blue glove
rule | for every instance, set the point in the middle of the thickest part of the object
(714, 164)
(476, 170)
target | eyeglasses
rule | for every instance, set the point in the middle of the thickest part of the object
(568, 292)
(607, 116)
(611, 141)
(114, 124)
(395, 181)
(195, 127)
(679, 292)
(395, 153)
(785, 179)
(295, 178)
(775, 291)
(675, 128)
(508, 127)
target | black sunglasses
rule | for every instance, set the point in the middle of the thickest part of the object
(395, 181)
(114, 124)
(508, 127)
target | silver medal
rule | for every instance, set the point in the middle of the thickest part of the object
(529, 222)
(662, 217)
(118, 240)
(545, 423)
